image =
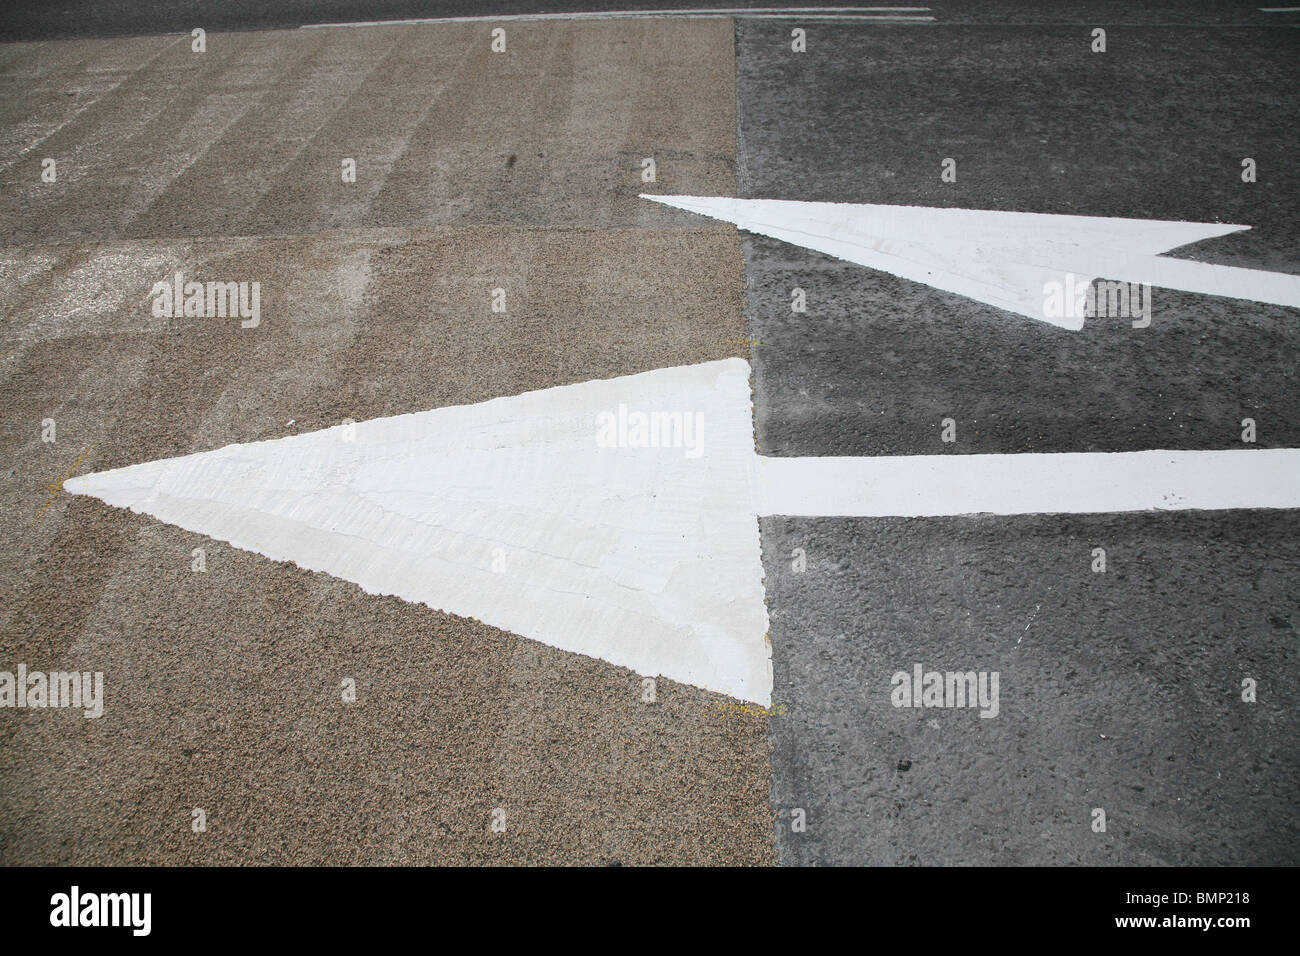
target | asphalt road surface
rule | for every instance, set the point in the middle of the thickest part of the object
(1120, 691)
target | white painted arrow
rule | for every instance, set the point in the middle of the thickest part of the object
(1004, 259)
(565, 516)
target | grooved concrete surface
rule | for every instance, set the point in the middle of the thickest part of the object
(154, 140)
(223, 689)
(1120, 690)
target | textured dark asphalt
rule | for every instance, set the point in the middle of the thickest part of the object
(1120, 690)
(1155, 128)
(64, 19)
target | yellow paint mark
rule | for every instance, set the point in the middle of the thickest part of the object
(727, 707)
(56, 488)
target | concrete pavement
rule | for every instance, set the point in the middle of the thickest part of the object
(224, 688)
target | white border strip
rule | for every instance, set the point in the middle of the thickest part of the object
(882, 14)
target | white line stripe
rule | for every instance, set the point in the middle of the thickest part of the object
(884, 14)
(1069, 483)
(1279, 9)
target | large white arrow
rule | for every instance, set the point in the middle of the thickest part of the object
(617, 518)
(1005, 259)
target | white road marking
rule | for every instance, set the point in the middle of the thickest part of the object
(916, 486)
(887, 14)
(509, 511)
(1003, 259)
(516, 512)
(1280, 9)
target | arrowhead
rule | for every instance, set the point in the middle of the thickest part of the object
(1005, 259)
(516, 511)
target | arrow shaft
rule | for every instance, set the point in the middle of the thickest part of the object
(1071, 483)
(1185, 275)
